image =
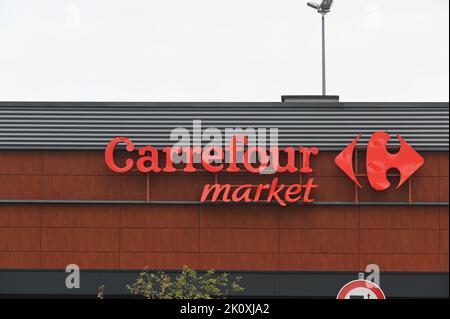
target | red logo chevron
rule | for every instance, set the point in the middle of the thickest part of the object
(378, 161)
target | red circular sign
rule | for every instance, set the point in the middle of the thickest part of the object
(361, 289)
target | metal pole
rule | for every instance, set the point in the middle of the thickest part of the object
(324, 84)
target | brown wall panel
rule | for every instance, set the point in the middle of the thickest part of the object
(257, 237)
(132, 187)
(75, 163)
(159, 240)
(81, 187)
(323, 165)
(85, 260)
(444, 217)
(444, 165)
(21, 187)
(238, 240)
(402, 262)
(80, 239)
(20, 260)
(401, 217)
(81, 216)
(368, 194)
(425, 189)
(317, 262)
(318, 241)
(443, 187)
(20, 215)
(175, 187)
(159, 216)
(340, 217)
(238, 216)
(431, 166)
(399, 241)
(241, 261)
(444, 263)
(16, 239)
(334, 189)
(158, 260)
(360, 166)
(444, 242)
(21, 162)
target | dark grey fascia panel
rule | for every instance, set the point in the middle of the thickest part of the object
(294, 284)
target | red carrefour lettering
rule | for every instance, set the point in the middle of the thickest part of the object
(233, 168)
(290, 162)
(306, 152)
(217, 190)
(168, 151)
(152, 159)
(293, 190)
(255, 160)
(274, 192)
(109, 155)
(308, 187)
(264, 159)
(278, 193)
(207, 158)
(246, 190)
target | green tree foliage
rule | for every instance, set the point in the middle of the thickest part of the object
(189, 284)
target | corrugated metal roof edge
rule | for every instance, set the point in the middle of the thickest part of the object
(181, 106)
(107, 104)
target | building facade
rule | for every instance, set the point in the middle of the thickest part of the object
(61, 204)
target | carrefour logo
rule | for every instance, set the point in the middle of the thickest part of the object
(378, 161)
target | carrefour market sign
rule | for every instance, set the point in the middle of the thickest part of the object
(214, 159)
(241, 156)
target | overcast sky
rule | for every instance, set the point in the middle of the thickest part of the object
(221, 50)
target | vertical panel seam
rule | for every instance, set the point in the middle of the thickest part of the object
(41, 209)
(198, 226)
(358, 211)
(120, 237)
(439, 213)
